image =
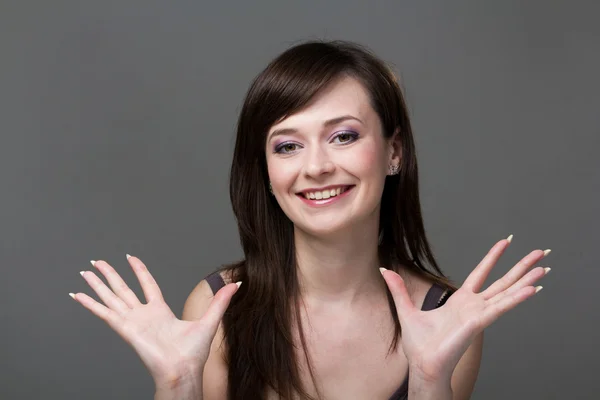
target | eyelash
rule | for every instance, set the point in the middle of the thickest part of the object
(353, 137)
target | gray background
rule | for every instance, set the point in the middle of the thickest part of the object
(117, 127)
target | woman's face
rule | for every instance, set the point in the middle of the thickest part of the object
(327, 163)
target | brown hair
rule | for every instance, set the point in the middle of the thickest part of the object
(257, 324)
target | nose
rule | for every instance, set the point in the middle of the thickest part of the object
(318, 163)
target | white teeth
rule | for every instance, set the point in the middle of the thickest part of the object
(325, 194)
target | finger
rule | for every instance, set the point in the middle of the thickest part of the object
(102, 312)
(149, 286)
(219, 305)
(117, 284)
(475, 280)
(395, 283)
(506, 303)
(514, 274)
(528, 280)
(105, 294)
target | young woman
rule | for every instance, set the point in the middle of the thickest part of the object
(341, 297)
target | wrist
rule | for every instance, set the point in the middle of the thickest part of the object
(182, 390)
(183, 385)
(429, 387)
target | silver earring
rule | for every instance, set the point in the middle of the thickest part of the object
(270, 188)
(394, 169)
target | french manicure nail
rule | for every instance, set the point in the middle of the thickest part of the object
(546, 270)
(93, 262)
(239, 283)
(382, 269)
(509, 238)
(546, 252)
(538, 288)
(72, 296)
(81, 273)
(128, 256)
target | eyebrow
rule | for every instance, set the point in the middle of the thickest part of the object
(329, 122)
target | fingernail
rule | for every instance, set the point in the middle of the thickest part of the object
(509, 238)
(546, 270)
(81, 273)
(538, 288)
(128, 256)
(546, 252)
(93, 262)
(239, 283)
(72, 296)
(381, 270)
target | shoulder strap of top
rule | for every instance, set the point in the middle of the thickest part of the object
(435, 297)
(215, 281)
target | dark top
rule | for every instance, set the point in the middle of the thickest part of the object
(435, 297)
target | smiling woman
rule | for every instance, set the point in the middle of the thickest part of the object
(336, 118)
(342, 297)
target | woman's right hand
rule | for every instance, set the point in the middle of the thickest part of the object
(174, 351)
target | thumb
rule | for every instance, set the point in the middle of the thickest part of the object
(395, 283)
(219, 305)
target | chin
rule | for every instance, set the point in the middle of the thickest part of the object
(323, 227)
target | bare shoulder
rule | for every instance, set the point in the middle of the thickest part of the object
(215, 370)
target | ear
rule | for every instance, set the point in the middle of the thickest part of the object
(395, 148)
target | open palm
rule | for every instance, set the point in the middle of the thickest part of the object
(434, 341)
(170, 348)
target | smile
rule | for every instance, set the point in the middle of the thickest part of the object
(325, 197)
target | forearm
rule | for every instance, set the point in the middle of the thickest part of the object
(420, 388)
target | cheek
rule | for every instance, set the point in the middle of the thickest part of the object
(282, 173)
(365, 161)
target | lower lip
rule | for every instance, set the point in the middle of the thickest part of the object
(325, 202)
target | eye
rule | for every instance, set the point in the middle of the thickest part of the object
(346, 137)
(286, 148)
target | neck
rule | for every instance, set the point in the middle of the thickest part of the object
(339, 270)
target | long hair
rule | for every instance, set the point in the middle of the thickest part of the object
(258, 323)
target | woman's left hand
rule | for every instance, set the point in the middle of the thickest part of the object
(434, 341)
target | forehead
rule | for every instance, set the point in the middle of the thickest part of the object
(345, 96)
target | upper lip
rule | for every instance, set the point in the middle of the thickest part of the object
(309, 190)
